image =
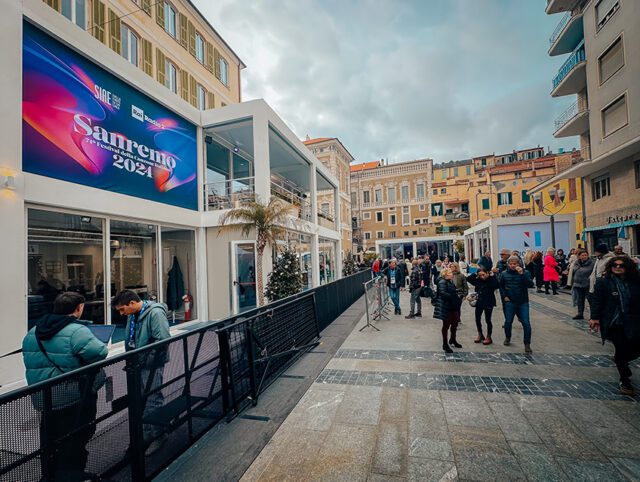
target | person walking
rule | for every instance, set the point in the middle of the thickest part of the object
(563, 264)
(538, 267)
(550, 272)
(615, 311)
(415, 287)
(447, 309)
(464, 266)
(485, 261)
(60, 343)
(514, 284)
(460, 282)
(375, 267)
(425, 267)
(486, 284)
(146, 324)
(603, 255)
(395, 280)
(581, 274)
(573, 257)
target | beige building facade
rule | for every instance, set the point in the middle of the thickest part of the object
(335, 156)
(602, 38)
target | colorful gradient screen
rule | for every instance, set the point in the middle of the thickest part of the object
(83, 125)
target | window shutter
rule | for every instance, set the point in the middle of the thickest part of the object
(160, 67)
(192, 39)
(193, 90)
(208, 58)
(525, 196)
(510, 197)
(114, 32)
(216, 63)
(147, 57)
(160, 13)
(211, 100)
(97, 18)
(146, 6)
(184, 85)
(55, 4)
(183, 30)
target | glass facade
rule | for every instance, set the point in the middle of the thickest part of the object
(327, 253)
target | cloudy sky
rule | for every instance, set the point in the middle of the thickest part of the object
(401, 79)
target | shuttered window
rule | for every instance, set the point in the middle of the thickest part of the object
(485, 204)
(216, 62)
(55, 4)
(160, 67)
(525, 196)
(604, 11)
(184, 39)
(192, 39)
(160, 13)
(614, 116)
(115, 42)
(193, 91)
(611, 60)
(98, 19)
(211, 100)
(208, 58)
(184, 85)
(146, 6)
(147, 57)
(505, 198)
(573, 191)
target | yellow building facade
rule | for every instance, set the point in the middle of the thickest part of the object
(170, 41)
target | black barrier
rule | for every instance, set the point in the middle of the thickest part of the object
(163, 396)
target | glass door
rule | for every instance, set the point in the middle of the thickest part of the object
(243, 270)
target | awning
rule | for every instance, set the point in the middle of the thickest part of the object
(622, 224)
(456, 201)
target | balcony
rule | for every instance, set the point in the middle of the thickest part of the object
(291, 194)
(325, 219)
(572, 122)
(567, 35)
(230, 193)
(572, 76)
(557, 6)
(456, 216)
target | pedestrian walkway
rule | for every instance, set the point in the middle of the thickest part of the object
(390, 405)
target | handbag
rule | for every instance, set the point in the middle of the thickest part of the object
(472, 298)
(426, 292)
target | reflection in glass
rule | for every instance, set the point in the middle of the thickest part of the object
(179, 273)
(327, 260)
(133, 261)
(245, 276)
(65, 253)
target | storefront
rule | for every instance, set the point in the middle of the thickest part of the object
(621, 231)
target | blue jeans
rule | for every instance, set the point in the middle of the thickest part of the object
(522, 310)
(394, 294)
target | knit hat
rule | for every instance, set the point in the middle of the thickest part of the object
(602, 248)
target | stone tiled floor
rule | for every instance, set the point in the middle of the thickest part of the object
(391, 406)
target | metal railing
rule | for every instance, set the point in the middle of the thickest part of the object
(560, 27)
(97, 422)
(229, 193)
(572, 111)
(377, 299)
(574, 59)
(286, 191)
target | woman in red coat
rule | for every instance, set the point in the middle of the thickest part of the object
(550, 271)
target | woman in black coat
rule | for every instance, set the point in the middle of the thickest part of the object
(447, 309)
(615, 311)
(486, 284)
(538, 267)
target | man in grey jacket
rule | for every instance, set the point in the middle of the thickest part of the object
(602, 256)
(146, 324)
(581, 279)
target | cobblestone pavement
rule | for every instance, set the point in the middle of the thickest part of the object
(392, 406)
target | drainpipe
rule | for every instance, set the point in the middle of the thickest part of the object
(584, 210)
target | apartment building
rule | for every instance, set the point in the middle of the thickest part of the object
(390, 201)
(171, 41)
(332, 153)
(602, 71)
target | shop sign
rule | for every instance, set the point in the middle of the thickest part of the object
(622, 219)
(84, 125)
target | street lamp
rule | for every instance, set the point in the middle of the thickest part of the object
(560, 193)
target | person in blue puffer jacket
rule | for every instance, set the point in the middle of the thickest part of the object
(60, 343)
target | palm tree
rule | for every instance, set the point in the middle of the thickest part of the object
(268, 221)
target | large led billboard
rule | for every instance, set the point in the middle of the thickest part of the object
(84, 125)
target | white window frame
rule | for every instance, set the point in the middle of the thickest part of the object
(420, 186)
(367, 235)
(404, 189)
(406, 221)
(202, 97)
(73, 12)
(504, 199)
(390, 198)
(128, 51)
(224, 72)
(366, 215)
(199, 48)
(377, 195)
(171, 76)
(170, 18)
(597, 186)
(379, 234)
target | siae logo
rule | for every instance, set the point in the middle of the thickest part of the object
(137, 113)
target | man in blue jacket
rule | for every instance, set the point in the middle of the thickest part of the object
(146, 324)
(59, 343)
(514, 285)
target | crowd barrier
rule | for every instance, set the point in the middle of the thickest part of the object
(377, 301)
(174, 390)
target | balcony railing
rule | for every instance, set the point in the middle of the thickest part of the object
(326, 219)
(230, 193)
(560, 27)
(285, 191)
(574, 59)
(458, 215)
(573, 110)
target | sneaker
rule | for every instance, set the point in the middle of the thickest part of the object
(487, 341)
(479, 338)
(410, 317)
(578, 317)
(399, 311)
(507, 342)
(156, 445)
(626, 388)
(527, 349)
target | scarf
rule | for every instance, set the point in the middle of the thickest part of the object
(624, 296)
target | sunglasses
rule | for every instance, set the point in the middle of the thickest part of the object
(618, 265)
